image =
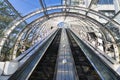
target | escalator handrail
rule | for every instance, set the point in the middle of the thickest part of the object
(108, 67)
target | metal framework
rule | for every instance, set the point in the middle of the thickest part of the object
(91, 2)
(9, 4)
(42, 20)
(17, 22)
(44, 8)
(113, 17)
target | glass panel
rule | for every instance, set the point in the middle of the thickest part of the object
(77, 3)
(117, 18)
(49, 3)
(25, 6)
(87, 3)
(108, 13)
(114, 30)
(105, 7)
(53, 11)
(105, 1)
(8, 46)
(77, 11)
(98, 18)
(34, 17)
(7, 15)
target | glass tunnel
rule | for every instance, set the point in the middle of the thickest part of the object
(59, 39)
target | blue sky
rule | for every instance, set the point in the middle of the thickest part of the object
(105, 1)
(26, 6)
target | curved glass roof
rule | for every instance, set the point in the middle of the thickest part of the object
(23, 7)
(103, 11)
(100, 16)
(26, 6)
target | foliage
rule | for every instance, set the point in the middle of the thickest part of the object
(6, 16)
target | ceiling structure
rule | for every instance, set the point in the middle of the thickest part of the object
(45, 14)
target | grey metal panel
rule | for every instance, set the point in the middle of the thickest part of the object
(65, 68)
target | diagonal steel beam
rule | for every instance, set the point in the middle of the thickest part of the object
(10, 5)
(44, 8)
(65, 3)
(91, 2)
(113, 17)
(65, 9)
(61, 2)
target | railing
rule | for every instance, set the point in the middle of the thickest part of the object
(33, 48)
(27, 68)
(104, 71)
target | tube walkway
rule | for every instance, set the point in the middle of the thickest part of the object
(62, 58)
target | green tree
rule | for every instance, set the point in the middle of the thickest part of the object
(6, 16)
